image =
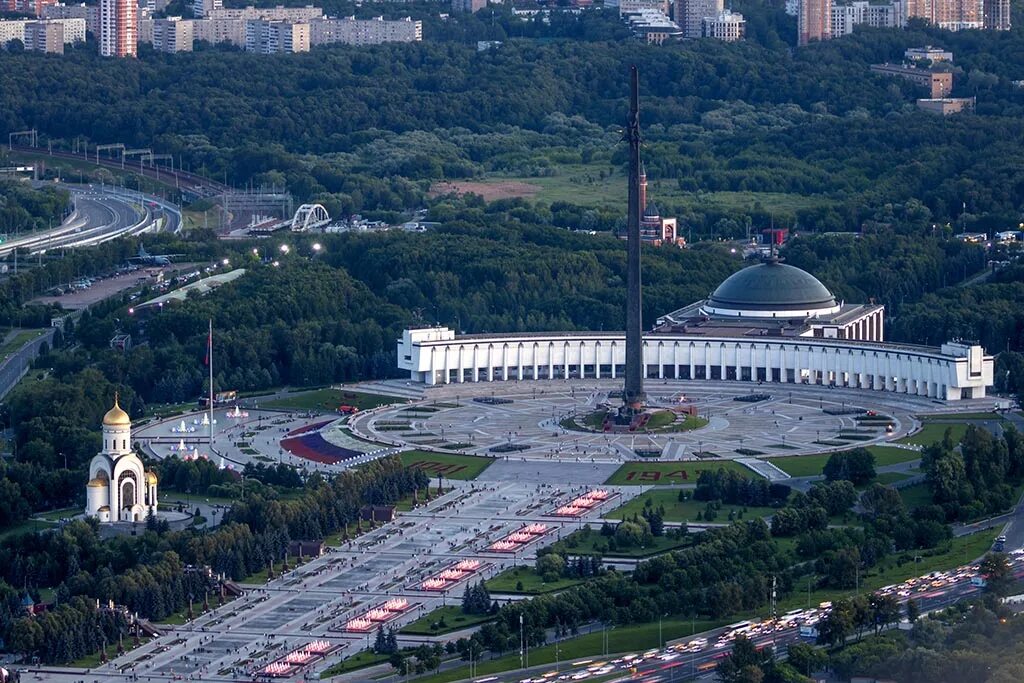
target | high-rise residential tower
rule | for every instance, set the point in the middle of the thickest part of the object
(119, 28)
(814, 21)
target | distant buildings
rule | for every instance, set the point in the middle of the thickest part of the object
(845, 17)
(201, 8)
(33, 7)
(279, 13)
(88, 13)
(119, 29)
(352, 31)
(952, 15)
(996, 15)
(814, 21)
(938, 83)
(655, 229)
(946, 105)
(654, 27)
(468, 6)
(266, 36)
(929, 53)
(638, 6)
(46, 35)
(726, 25)
(173, 34)
(690, 15)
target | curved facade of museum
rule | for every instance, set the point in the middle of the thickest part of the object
(766, 323)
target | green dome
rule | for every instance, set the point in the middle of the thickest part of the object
(772, 287)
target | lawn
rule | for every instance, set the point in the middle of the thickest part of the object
(29, 525)
(662, 473)
(446, 465)
(620, 639)
(57, 515)
(360, 660)
(19, 339)
(934, 433)
(892, 477)
(685, 511)
(584, 185)
(960, 416)
(596, 544)
(508, 580)
(444, 620)
(328, 400)
(665, 421)
(92, 661)
(812, 465)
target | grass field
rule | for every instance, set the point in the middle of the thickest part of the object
(811, 465)
(892, 477)
(960, 416)
(583, 185)
(359, 660)
(934, 433)
(685, 511)
(448, 466)
(508, 580)
(620, 639)
(663, 473)
(328, 400)
(596, 544)
(444, 620)
(17, 340)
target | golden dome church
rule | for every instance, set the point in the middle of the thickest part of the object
(119, 489)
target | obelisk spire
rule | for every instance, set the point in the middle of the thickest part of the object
(633, 396)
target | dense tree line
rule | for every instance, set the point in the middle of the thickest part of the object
(23, 209)
(976, 476)
(733, 488)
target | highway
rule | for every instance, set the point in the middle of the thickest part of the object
(101, 213)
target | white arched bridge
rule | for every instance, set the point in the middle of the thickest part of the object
(310, 217)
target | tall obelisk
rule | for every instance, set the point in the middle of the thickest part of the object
(633, 396)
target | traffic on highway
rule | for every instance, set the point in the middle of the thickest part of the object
(698, 656)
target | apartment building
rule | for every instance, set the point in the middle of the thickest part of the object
(726, 25)
(352, 31)
(271, 37)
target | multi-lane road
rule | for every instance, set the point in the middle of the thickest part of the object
(101, 213)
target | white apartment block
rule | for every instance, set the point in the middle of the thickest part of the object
(201, 8)
(267, 37)
(72, 30)
(690, 15)
(352, 31)
(845, 17)
(726, 25)
(89, 14)
(173, 34)
(45, 36)
(639, 6)
(216, 31)
(250, 13)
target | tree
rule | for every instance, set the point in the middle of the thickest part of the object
(806, 658)
(913, 610)
(856, 466)
(550, 567)
(996, 570)
(836, 626)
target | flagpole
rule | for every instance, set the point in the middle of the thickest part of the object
(209, 352)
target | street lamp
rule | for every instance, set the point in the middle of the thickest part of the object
(285, 249)
(317, 247)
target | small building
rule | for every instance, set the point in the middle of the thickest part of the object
(45, 36)
(928, 53)
(726, 25)
(121, 342)
(938, 83)
(946, 105)
(468, 6)
(653, 27)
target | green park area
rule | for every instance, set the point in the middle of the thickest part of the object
(446, 465)
(667, 473)
(16, 339)
(934, 432)
(359, 660)
(589, 541)
(444, 620)
(812, 465)
(329, 399)
(685, 510)
(527, 581)
(660, 421)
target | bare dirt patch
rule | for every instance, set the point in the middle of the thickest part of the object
(490, 191)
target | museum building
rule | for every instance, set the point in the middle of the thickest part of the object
(769, 322)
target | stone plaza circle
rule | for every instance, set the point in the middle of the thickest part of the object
(476, 419)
